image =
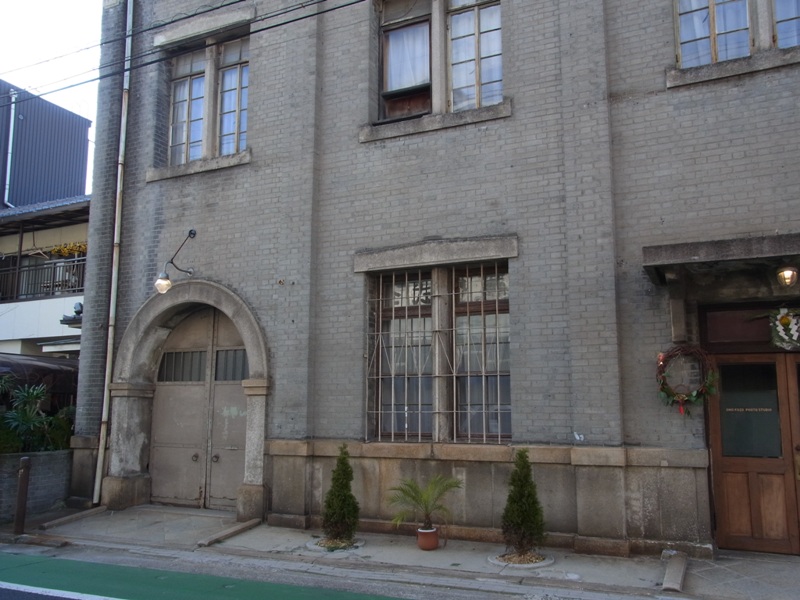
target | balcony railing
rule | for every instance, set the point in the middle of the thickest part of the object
(50, 278)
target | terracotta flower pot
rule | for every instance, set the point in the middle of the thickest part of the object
(428, 539)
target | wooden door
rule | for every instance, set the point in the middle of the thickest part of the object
(754, 429)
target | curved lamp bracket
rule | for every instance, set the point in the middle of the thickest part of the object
(163, 283)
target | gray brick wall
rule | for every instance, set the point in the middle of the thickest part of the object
(597, 159)
(48, 483)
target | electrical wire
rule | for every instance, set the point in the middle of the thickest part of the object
(139, 65)
(157, 25)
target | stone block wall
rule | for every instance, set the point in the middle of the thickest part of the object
(48, 485)
(602, 500)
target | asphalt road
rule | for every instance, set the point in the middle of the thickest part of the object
(150, 573)
(128, 583)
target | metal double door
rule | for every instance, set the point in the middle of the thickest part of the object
(199, 416)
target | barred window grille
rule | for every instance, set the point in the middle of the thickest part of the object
(439, 355)
(182, 366)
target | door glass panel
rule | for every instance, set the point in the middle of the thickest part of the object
(749, 411)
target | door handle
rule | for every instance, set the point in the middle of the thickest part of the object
(195, 456)
(215, 458)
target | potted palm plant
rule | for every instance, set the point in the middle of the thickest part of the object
(427, 503)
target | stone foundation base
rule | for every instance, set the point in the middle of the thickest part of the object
(293, 521)
(250, 502)
(119, 493)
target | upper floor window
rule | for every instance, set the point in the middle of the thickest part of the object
(476, 54)
(787, 23)
(214, 79)
(439, 56)
(712, 31)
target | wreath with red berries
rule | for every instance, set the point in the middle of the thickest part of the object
(679, 394)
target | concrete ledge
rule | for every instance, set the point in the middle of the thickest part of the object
(598, 457)
(385, 131)
(436, 252)
(604, 546)
(198, 166)
(553, 455)
(72, 518)
(667, 458)
(472, 452)
(202, 25)
(676, 571)
(229, 532)
(655, 547)
(293, 521)
(289, 448)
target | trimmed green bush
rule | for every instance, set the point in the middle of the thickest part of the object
(523, 520)
(340, 515)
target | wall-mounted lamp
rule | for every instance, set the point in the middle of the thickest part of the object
(163, 283)
(787, 276)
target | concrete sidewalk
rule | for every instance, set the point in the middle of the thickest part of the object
(731, 576)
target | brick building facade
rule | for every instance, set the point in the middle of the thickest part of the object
(443, 258)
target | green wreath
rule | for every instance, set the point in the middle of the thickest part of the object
(671, 396)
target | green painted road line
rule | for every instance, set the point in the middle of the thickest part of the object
(129, 583)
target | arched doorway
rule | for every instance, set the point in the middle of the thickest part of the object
(200, 414)
(194, 316)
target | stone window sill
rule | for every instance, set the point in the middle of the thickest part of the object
(760, 61)
(373, 133)
(198, 166)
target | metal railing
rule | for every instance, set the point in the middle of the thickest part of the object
(51, 278)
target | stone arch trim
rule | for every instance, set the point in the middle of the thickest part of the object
(141, 343)
(128, 480)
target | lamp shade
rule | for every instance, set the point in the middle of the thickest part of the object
(787, 276)
(163, 283)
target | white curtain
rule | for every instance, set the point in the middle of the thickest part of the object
(407, 57)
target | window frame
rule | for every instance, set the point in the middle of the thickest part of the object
(412, 94)
(211, 119)
(776, 22)
(431, 394)
(476, 7)
(763, 35)
(441, 68)
(713, 36)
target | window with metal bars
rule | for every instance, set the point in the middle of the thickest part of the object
(439, 363)
(182, 366)
(231, 365)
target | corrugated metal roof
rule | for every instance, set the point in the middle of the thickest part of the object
(45, 215)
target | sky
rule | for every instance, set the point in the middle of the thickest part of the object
(47, 45)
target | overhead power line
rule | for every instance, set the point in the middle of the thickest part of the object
(140, 65)
(175, 19)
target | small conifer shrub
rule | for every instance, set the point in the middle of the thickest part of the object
(340, 514)
(523, 520)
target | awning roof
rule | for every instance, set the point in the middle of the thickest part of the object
(45, 215)
(758, 253)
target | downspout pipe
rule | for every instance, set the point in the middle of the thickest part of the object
(112, 304)
(13, 94)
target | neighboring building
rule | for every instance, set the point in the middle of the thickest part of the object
(44, 220)
(440, 230)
